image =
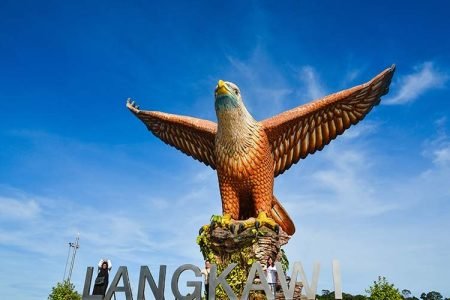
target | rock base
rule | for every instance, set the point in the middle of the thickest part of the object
(221, 247)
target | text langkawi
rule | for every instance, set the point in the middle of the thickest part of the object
(215, 279)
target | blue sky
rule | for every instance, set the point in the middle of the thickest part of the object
(74, 160)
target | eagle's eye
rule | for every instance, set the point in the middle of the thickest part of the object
(236, 91)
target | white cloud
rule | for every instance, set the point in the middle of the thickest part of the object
(350, 76)
(264, 88)
(18, 208)
(412, 86)
(245, 68)
(313, 89)
(342, 183)
(267, 91)
(364, 128)
(442, 156)
(438, 147)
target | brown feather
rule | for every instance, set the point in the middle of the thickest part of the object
(322, 120)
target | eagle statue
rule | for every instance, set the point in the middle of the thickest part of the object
(248, 154)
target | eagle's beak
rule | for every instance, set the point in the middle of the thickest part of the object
(221, 88)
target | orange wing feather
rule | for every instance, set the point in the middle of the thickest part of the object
(305, 129)
(192, 136)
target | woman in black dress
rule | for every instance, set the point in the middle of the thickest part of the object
(101, 282)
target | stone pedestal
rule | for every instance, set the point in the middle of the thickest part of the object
(221, 246)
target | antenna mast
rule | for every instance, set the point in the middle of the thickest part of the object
(72, 247)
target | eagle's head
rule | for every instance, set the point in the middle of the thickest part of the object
(227, 96)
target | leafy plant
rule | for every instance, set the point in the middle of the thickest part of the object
(64, 291)
(284, 261)
(383, 290)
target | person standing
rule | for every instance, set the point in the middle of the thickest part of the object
(101, 282)
(271, 275)
(205, 273)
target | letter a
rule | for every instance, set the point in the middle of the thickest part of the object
(122, 272)
(250, 286)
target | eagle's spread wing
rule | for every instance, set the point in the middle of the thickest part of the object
(192, 136)
(301, 131)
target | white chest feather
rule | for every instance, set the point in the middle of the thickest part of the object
(238, 144)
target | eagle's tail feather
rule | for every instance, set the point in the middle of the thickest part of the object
(280, 216)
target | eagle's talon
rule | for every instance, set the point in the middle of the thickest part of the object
(264, 220)
(224, 221)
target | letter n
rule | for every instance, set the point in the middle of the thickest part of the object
(146, 275)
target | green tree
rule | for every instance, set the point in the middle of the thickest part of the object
(431, 296)
(406, 293)
(64, 291)
(383, 290)
(327, 295)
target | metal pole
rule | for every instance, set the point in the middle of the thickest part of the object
(75, 246)
(67, 261)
